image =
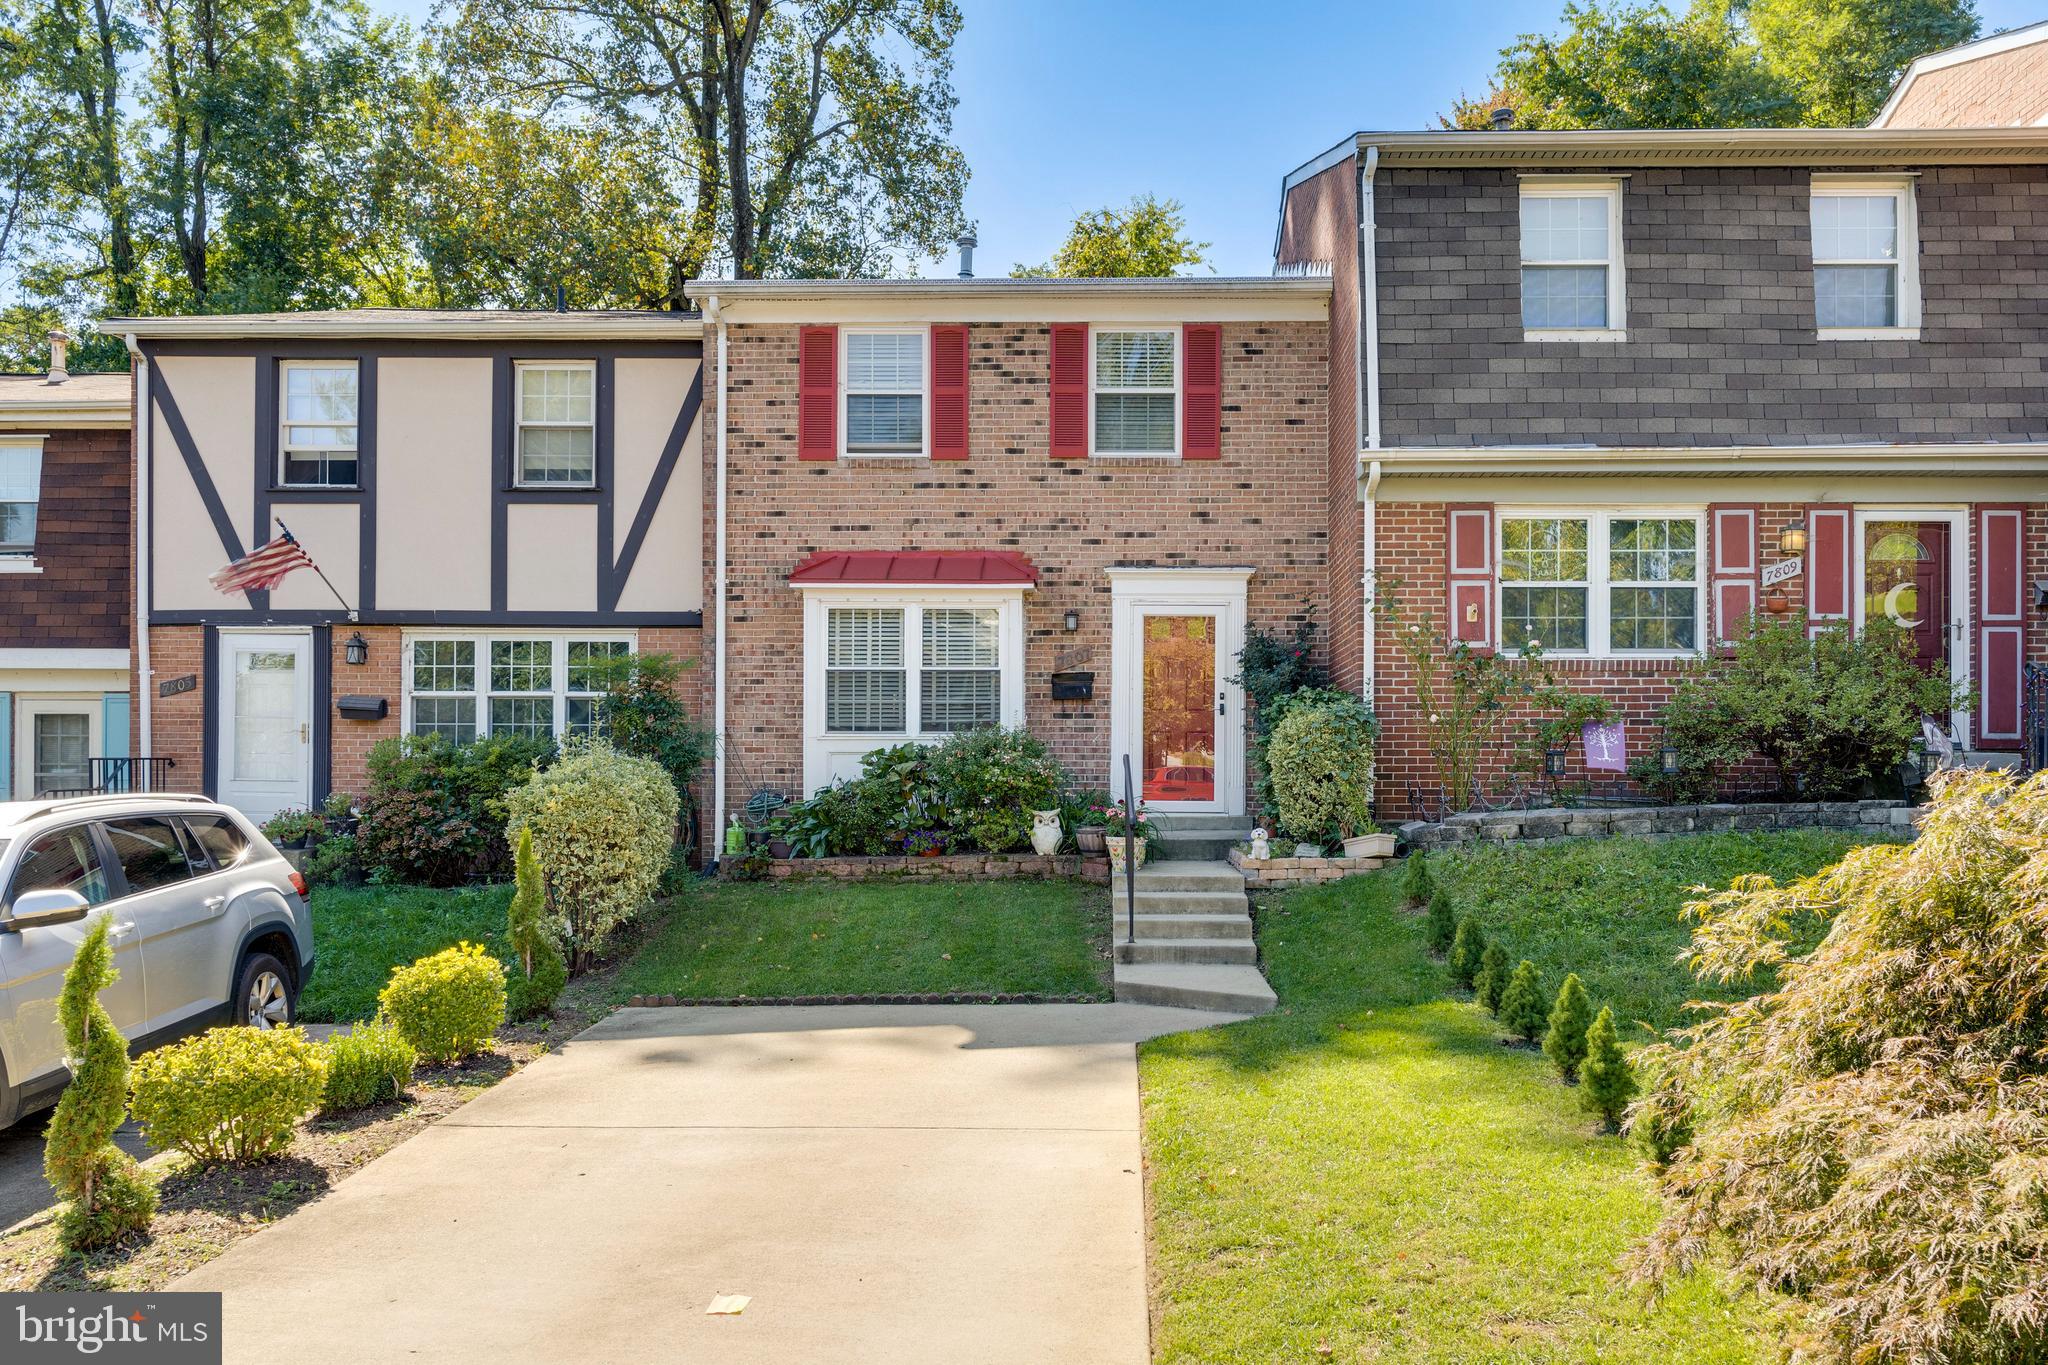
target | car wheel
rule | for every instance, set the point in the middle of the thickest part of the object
(263, 993)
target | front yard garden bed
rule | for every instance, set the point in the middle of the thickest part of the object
(1543, 824)
(944, 867)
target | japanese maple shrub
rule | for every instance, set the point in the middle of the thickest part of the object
(107, 1195)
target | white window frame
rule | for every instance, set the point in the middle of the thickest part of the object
(1599, 586)
(323, 453)
(481, 691)
(1907, 266)
(830, 754)
(18, 558)
(28, 708)
(1580, 187)
(923, 391)
(1095, 335)
(520, 368)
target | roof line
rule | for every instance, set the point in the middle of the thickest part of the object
(2003, 41)
(1654, 146)
(1309, 170)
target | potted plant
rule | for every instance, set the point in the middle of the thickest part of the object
(924, 843)
(1089, 818)
(292, 828)
(1125, 834)
(1362, 839)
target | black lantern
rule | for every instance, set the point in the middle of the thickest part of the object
(1072, 620)
(1667, 760)
(1553, 762)
(357, 650)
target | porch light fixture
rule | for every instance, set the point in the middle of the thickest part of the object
(1667, 760)
(1553, 762)
(357, 650)
(1792, 540)
(1072, 620)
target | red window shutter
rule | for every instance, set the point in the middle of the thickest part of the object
(2001, 622)
(1828, 540)
(1468, 572)
(1070, 391)
(1201, 391)
(949, 393)
(1736, 567)
(817, 393)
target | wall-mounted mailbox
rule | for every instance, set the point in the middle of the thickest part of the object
(1073, 686)
(362, 708)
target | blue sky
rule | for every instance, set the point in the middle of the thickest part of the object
(1070, 105)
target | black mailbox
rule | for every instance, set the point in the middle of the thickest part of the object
(362, 708)
(1073, 686)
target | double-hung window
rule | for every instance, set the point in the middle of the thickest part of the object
(1136, 391)
(463, 687)
(317, 430)
(557, 440)
(1571, 260)
(1605, 584)
(21, 481)
(883, 391)
(1865, 258)
(886, 667)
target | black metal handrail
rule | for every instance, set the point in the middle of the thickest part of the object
(118, 775)
(1130, 855)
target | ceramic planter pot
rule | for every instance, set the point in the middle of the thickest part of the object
(1091, 838)
(1046, 834)
(1370, 846)
(779, 848)
(1116, 853)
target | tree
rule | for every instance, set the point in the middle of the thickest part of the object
(1522, 1012)
(1609, 1083)
(1871, 1134)
(1442, 925)
(541, 973)
(1491, 981)
(1467, 945)
(1565, 1043)
(110, 1196)
(1840, 58)
(27, 161)
(1146, 238)
(810, 137)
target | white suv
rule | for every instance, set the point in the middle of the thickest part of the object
(209, 923)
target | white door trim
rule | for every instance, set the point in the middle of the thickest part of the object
(262, 804)
(1136, 593)
(27, 707)
(1960, 585)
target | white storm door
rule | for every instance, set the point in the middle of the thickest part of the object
(266, 722)
(1175, 708)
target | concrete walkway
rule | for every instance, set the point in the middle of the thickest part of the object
(890, 1184)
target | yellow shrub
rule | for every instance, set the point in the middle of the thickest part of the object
(230, 1094)
(448, 1005)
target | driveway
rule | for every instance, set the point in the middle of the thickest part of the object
(889, 1184)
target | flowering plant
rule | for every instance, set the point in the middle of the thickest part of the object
(1117, 824)
(924, 843)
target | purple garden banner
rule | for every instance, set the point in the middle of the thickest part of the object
(1606, 746)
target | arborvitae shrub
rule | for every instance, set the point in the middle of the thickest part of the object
(1492, 978)
(538, 971)
(109, 1195)
(1467, 944)
(1610, 1083)
(1442, 925)
(1522, 1011)
(1419, 887)
(1566, 1040)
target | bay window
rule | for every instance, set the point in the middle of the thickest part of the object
(1604, 584)
(546, 686)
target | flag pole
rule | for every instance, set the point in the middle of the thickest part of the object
(317, 569)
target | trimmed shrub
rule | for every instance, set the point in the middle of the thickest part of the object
(603, 823)
(367, 1065)
(1467, 946)
(1442, 925)
(434, 811)
(1272, 669)
(448, 1005)
(1491, 980)
(1417, 885)
(107, 1195)
(538, 972)
(229, 1094)
(1320, 757)
(1522, 1011)
(991, 779)
(1565, 1041)
(1609, 1083)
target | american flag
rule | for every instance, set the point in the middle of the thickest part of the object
(264, 567)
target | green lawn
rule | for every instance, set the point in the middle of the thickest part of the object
(360, 934)
(1371, 1171)
(889, 937)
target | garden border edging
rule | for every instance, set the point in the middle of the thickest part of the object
(1545, 824)
(913, 998)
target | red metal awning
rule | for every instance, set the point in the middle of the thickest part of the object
(913, 568)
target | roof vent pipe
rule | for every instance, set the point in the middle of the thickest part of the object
(1503, 119)
(59, 341)
(967, 245)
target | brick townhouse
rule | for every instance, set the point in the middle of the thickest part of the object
(1614, 391)
(1995, 82)
(64, 570)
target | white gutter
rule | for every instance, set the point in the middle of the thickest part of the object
(1370, 535)
(144, 684)
(1365, 372)
(712, 314)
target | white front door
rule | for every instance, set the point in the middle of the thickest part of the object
(266, 722)
(1175, 711)
(55, 741)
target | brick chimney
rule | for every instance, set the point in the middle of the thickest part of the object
(58, 342)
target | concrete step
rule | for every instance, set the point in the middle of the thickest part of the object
(1188, 950)
(1187, 876)
(1233, 987)
(1191, 845)
(1182, 902)
(1184, 926)
(1185, 823)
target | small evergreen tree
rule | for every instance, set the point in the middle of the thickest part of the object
(1521, 1004)
(1419, 887)
(1610, 1083)
(1492, 979)
(1466, 947)
(1442, 925)
(1566, 1040)
(541, 972)
(109, 1194)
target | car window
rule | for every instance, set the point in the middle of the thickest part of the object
(220, 837)
(150, 851)
(65, 860)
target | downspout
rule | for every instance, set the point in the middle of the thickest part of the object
(713, 314)
(1367, 400)
(145, 424)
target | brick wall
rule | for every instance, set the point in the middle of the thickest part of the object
(179, 721)
(1721, 347)
(80, 599)
(349, 741)
(1265, 503)
(2002, 90)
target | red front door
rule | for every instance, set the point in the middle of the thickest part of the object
(1906, 580)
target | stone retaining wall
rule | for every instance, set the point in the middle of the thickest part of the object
(960, 867)
(1542, 826)
(1265, 873)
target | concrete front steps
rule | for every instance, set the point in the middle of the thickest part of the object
(1196, 838)
(1194, 945)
